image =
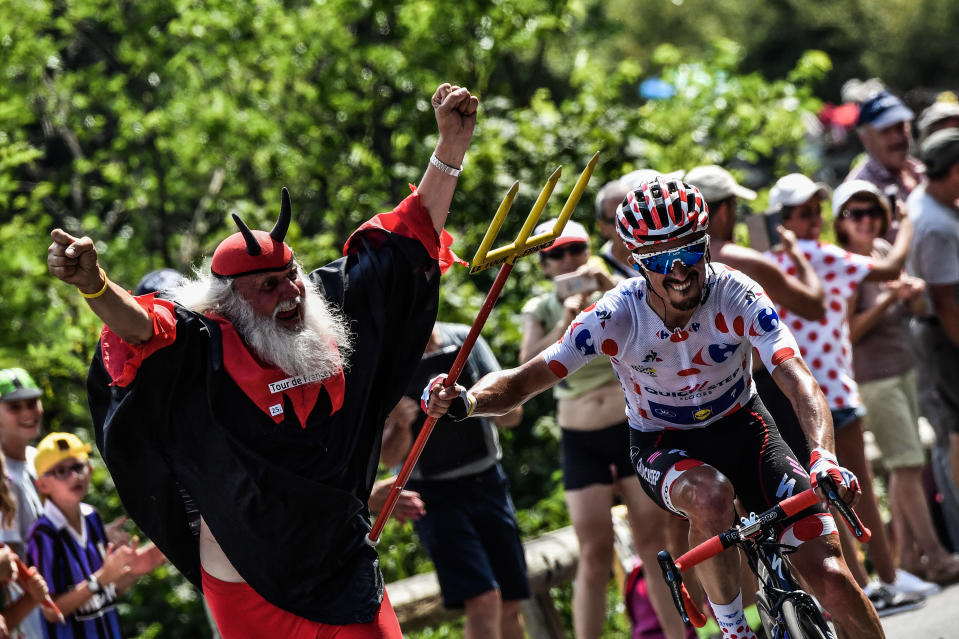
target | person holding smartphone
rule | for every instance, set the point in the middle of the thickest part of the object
(590, 410)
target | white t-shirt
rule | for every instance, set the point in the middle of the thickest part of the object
(934, 255)
(825, 344)
(684, 378)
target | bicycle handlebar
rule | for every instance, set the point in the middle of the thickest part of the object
(673, 570)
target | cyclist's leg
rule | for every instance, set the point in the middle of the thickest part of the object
(820, 564)
(676, 480)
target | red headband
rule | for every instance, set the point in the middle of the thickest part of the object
(249, 252)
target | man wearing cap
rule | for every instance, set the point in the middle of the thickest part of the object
(21, 416)
(941, 114)
(797, 289)
(884, 129)
(825, 345)
(590, 410)
(935, 258)
(260, 395)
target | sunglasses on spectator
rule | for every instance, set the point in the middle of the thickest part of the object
(63, 473)
(560, 252)
(22, 404)
(662, 262)
(856, 215)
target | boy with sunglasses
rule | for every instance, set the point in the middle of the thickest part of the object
(68, 545)
(680, 339)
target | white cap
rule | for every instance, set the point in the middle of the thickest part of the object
(717, 184)
(620, 187)
(934, 113)
(845, 191)
(794, 189)
(573, 232)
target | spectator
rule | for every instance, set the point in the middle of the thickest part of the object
(885, 371)
(590, 409)
(613, 252)
(273, 418)
(797, 289)
(935, 259)
(941, 114)
(69, 546)
(826, 347)
(465, 494)
(16, 601)
(21, 417)
(884, 130)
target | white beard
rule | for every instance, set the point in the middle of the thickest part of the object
(319, 346)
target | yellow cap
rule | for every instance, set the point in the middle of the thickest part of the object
(56, 447)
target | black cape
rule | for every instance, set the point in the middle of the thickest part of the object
(287, 504)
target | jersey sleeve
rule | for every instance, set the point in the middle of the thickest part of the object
(601, 328)
(753, 315)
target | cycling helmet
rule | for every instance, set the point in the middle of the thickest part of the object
(660, 210)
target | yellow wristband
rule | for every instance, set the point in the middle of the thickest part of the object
(93, 296)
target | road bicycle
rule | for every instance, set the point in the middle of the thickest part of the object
(785, 609)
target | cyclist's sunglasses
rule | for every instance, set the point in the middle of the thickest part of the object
(560, 252)
(662, 262)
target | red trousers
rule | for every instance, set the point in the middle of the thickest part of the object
(241, 613)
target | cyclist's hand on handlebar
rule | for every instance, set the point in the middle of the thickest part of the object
(821, 460)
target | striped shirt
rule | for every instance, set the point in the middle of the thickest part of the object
(66, 558)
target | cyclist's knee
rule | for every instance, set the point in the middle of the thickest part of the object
(706, 496)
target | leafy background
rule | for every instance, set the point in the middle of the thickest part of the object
(143, 124)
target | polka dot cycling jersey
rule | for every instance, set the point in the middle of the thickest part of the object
(684, 378)
(825, 344)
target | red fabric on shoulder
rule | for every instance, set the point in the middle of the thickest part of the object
(123, 360)
(411, 219)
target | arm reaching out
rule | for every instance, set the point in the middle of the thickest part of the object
(74, 261)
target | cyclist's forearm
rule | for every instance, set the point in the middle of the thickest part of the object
(808, 402)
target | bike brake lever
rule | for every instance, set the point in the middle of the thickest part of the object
(848, 514)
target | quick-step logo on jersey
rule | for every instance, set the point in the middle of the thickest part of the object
(696, 414)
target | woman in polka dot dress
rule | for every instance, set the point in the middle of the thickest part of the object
(826, 347)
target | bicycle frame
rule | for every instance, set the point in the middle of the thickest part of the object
(756, 535)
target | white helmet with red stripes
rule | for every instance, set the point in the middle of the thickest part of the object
(660, 210)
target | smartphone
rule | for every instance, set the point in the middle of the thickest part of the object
(571, 284)
(763, 235)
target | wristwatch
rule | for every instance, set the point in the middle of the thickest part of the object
(94, 585)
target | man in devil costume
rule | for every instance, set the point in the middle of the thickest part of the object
(242, 422)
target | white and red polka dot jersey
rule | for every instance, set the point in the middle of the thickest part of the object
(683, 378)
(825, 344)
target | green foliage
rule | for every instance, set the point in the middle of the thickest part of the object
(144, 124)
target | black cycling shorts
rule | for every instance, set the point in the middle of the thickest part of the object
(588, 454)
(745, 447)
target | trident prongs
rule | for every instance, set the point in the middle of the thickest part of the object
(524, 244)
(506, 256)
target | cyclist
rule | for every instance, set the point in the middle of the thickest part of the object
(680, 339)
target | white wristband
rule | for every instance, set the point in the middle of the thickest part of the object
(444, 167)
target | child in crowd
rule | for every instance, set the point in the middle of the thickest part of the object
(69, 546)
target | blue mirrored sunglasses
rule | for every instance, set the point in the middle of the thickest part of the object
(662, 262)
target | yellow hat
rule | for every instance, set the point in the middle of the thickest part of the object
(56, 447)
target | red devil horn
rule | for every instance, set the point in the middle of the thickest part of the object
(283, 222)
(252, 246)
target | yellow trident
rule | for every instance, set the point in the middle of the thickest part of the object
(507, 256)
